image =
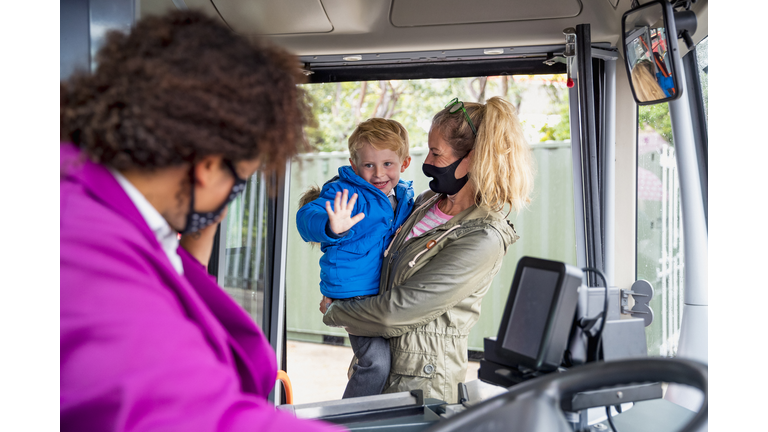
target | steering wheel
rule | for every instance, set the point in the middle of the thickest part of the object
(534, 405)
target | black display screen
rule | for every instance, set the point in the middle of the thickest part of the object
(530, 311)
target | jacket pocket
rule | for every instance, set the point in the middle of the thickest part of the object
(414, 364)
(348, 264)
(411, 371)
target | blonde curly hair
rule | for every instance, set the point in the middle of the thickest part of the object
(502, 167)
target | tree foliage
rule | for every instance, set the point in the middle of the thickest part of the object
(657, 117)
(339, 107)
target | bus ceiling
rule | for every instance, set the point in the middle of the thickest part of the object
(359, 27)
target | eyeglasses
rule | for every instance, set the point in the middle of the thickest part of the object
(457, 105)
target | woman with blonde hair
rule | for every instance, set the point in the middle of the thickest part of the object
(644, 81)
(442, 260)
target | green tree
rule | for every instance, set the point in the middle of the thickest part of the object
(558, 95)
(339, 107)
(656, 116)
(562, 130)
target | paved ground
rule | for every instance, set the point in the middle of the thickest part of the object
(319, 372)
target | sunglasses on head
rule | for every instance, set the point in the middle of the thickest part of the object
(455, 105)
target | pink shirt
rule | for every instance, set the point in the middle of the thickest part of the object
(432, 219)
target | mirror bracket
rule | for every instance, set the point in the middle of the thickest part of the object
(686, 24)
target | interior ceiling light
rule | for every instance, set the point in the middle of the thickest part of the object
(493, 51)
(353, 58)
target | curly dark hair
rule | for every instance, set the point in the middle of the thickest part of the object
(183, 86)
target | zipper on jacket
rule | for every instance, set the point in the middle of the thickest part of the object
(430, 245)
(386, 252)
(393, 258)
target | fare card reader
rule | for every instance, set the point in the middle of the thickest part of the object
(541, 322)
(542, 302)
(536, 324)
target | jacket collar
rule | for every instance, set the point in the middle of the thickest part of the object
(429, 198)
(199, 294)
(468, 218)
(102, 185)
(164, 233)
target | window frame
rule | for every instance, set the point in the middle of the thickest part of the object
(691, 292)
(699, 122)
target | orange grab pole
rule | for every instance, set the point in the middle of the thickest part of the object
(283, 377)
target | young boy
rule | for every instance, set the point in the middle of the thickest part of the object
(353, 234)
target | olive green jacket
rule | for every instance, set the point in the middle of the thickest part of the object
(429, 297)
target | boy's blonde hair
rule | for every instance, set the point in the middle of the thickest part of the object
(381, 134)
(502, 166)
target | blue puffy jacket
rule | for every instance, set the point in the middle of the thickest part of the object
(351, 264)
(666, 83)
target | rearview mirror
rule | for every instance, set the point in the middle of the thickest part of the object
(650, 50)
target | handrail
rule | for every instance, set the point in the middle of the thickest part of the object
(282, 376)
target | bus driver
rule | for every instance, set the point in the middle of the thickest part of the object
(156, 142)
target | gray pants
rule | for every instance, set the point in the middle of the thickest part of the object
(372, 368)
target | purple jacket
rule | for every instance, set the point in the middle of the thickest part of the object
(143, 348)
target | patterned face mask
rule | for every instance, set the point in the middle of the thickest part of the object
(197, 220)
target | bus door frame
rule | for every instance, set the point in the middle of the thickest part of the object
(598, 156)
(275, 320)
(690, 154)
(593, 145)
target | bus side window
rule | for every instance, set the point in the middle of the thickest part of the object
(659, 226)
(702, 57)
(242, 272)
(659, 220)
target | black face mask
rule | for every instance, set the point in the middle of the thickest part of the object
(444, 178)
(197, 220)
